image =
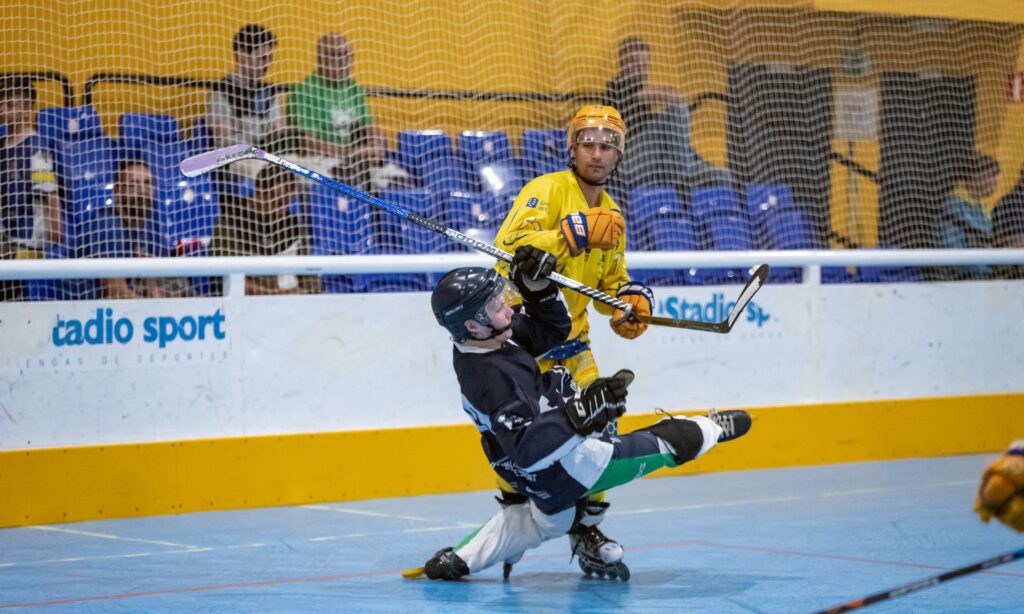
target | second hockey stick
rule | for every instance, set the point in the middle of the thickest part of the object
(212, 160)
(899, 591)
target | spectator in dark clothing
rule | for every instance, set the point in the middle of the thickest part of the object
(1008, 226)
(370, 170)
(243, 108)
(964, 222)
(128, 228)
(659, 123)
(30, 215)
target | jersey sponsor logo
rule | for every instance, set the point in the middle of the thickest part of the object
(513, 421)
(715, 310)
(532, 203)
(515, 239)
(507, 465)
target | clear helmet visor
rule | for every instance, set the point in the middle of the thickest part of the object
(504, 293)
(599, 135)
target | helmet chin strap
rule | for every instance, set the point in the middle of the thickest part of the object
(497, 332)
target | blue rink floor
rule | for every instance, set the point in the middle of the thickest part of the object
(787, 540)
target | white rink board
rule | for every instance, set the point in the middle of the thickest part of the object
(349, 362)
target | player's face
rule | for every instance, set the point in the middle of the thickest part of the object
(500, 314)
(15, 110)
(134, 190)
(334, 58)
(596, 154)
(254, 64)
(636, 63)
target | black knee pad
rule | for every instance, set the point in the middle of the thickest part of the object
(683, 435)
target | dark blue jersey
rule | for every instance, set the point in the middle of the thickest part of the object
(519, 411)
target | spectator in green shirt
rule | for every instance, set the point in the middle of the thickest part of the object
(329, 106)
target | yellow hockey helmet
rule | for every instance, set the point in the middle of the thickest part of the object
(599, 116)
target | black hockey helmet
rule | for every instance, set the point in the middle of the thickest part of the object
(462, 294)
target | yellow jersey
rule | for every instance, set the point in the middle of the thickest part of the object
(534, 220)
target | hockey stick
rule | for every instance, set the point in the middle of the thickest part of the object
(899, 591)
(212, 160)
(754, 284)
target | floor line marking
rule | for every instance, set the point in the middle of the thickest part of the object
(678, 544)
(129, 555)
(340, 510)
(788, 499)
(108, 536)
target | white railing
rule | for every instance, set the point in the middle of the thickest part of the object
(234, 268)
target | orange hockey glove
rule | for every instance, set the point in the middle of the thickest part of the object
(1001, 493)
(642, 299)
(595, 228)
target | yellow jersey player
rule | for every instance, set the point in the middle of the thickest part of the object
(569, 215)
(1001, 494)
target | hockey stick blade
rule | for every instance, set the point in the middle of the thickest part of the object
(415, 572)
(755, 283)
(203, 163)
(929, 582)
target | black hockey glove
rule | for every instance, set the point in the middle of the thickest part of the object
(529, 272)
(602, 401)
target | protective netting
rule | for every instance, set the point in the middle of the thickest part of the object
(750, 127)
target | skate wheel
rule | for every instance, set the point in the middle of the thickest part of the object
(623, 572)
(612, 575)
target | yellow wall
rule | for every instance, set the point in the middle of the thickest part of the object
(533, 46)
(72, 484)
(1007, 11)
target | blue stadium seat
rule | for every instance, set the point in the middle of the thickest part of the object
(725, 229)
(544, 150)
(339, 224)
(646, 204)
(718, 199)
(398, 236)
(188, 210)
(198, 140)
(763, 197)
(787, 228)
(60, 289)
(416, 147)
(155, 139)
(503, 177)
(484, 147)
(85, 167)
(447, 174)
(675, 231)
(85, 158)
(465, 210)
(138, 131)
(69, 123)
